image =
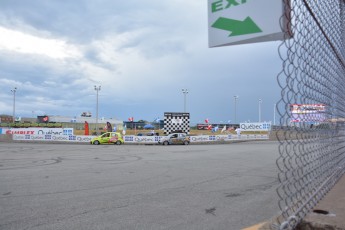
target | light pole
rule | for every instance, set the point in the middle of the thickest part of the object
(97, 88)
(274, 114)
(260, 101)
(185, 92)
(14, 104)
(236, 97)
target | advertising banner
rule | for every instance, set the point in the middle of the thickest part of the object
(142, 139)
(38, 131)
(134, 139)
(50, 137)
(308, 112)
(256, 126)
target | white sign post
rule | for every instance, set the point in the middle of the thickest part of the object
(232, 22)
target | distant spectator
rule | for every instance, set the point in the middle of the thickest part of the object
(238, 131)
(109, 127)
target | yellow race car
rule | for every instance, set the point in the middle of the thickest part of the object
(108, 138)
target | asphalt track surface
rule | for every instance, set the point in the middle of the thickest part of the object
(65, 186)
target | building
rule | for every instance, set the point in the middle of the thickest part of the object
(78, 123)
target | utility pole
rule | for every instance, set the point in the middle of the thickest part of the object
(14, 90)
(274, 114)
(185, 92)
(236, 97)
(97, 88)
(260, 101)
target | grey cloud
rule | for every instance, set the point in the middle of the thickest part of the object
(167, 38)
(79, 20)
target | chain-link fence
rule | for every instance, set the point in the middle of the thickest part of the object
(312, 107)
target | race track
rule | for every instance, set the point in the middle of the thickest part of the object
(69, 186)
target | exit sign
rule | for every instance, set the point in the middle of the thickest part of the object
(232, 22)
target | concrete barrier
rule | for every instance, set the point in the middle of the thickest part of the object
(130, 139)
(6, 137)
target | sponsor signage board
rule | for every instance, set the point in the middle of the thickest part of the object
(133, 139)
(49, 137)
(38, 131)
(256, 126)
(308, 112)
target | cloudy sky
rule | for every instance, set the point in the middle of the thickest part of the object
(141, 53)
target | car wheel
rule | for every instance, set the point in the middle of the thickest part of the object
(96, 142)
(165, 143)
(118, 142)
(186, 142)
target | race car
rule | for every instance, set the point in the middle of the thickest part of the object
(175, 138)
(108, 138)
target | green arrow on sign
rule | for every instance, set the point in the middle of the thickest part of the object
(247, 26)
